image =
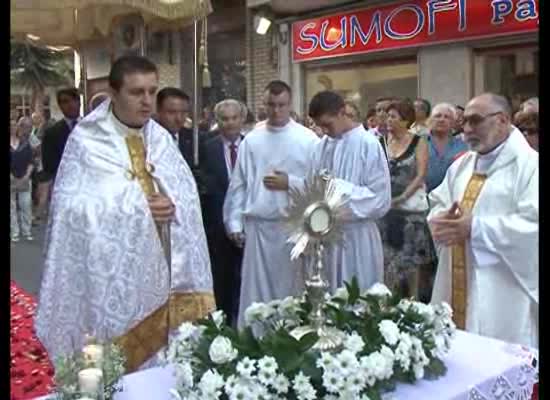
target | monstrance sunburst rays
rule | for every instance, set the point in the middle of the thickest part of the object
(319, 191)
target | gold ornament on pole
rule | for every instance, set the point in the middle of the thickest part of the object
(315, 221)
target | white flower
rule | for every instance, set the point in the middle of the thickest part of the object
(381, 366)
(186, 330)
(281, 384)
(403, 350)
(379, 289)
(246, 367)
(367, 370)
(404, 305)
(184, 374)
(347, 362)
(303, 388)
(258, 312)
(333, 380)
(268, 364)
(356, 381)
(221, 350)
(354, 343)
(426, 311)
(341, 293)
(241, 391)
(418, 371)
(219, 318)
(230, 384)
(210, 383)
(389, 331)
(274, 303)
(326, 361)
(266, 377)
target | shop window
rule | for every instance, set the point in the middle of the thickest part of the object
(364, 83)
(514, 73)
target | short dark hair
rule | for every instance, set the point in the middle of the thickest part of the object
(405, 109)
(426, 104)
(127, 65)
(166, 92)
(459, 107)
(277, 87)
(71, 92)
(325, 102)
(371, 112)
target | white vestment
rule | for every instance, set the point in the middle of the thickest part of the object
(267, 272)
(502, 254)
(358, 163)
(105, 270)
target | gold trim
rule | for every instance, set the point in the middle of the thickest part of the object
(150, 335)
(136, 149)
(459, 270)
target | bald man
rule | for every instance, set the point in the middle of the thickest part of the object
(485, 223)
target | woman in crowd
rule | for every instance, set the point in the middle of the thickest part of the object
(371, 121)
(422, 108)
(21, 167)
(528, 123)
(407, 242)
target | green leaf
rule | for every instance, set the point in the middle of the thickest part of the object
(308, 341)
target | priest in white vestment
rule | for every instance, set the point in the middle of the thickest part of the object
(108, 271)
(357, 161)
(256, 202)
(485, 223)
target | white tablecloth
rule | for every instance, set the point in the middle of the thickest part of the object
(479, 368)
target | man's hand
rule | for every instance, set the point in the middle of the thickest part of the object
(396, 201)
(277, 181)
(161, 207)
(452, 227)
(237, 238)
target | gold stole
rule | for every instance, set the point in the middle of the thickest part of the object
(459, 268)
(150, 335)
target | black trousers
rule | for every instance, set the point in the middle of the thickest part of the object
(226, 260)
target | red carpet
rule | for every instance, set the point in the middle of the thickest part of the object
(30, 370)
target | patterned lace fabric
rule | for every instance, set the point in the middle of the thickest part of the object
(515, 384)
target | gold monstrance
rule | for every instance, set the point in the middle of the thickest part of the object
(315, 218)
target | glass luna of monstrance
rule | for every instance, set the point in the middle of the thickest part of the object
(315, 221)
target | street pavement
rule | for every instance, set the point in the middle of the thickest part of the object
(26, 261)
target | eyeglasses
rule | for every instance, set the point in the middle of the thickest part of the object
(476, 119)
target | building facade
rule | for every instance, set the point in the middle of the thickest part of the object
(441, 50)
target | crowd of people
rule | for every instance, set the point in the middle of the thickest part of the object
(405, 167)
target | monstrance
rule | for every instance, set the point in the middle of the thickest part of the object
(315, 218)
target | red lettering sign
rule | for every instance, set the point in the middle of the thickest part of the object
(412, 23)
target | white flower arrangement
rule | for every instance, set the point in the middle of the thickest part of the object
(387, 340)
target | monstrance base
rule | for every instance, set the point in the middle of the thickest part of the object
(330, 339)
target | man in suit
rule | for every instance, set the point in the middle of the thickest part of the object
(55, 139)
(173, 107)
(218, 160)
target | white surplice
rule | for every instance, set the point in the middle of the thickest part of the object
(358, 163)
(502, 255)
(267, 272)
(105, 269)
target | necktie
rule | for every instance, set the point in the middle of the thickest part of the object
(72, 124)
(233, 154)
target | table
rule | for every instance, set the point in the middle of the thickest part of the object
(479, 368)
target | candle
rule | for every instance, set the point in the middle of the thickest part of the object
(93, 353)
(89, 380)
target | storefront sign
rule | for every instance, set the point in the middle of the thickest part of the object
(411, 23)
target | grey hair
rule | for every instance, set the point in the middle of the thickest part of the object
(24, 122)
(502, 104)
(218, 109)
(444, 106)
(533, 101)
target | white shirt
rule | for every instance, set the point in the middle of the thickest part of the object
(227, 153)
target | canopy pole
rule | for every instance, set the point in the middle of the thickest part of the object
(195, 93)
(83, 69)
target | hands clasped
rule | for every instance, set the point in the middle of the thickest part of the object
(278, 180)
(161, 207)
(237, 238)
(451, 227)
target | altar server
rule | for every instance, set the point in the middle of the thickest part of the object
(257, 199)
(106, 271)
(357, 161)
(485, 222)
